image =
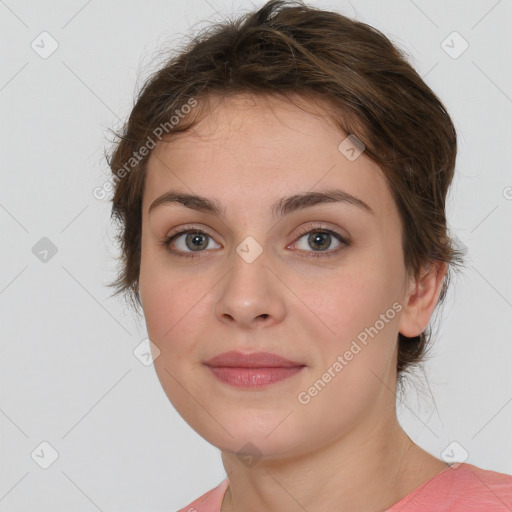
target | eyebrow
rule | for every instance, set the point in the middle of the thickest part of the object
(280, 208)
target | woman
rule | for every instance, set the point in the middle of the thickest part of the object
(281, 189)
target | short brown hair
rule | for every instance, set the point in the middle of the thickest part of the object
(286, 48)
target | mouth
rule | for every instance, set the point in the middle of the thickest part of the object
(252, 370)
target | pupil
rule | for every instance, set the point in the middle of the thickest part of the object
(196, 237)
(317, 238)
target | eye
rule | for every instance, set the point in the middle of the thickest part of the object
(320, 238)
(194, 239)
(189, 241)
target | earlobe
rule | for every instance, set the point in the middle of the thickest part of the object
(421, 300)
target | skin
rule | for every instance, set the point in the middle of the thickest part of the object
(247, 153)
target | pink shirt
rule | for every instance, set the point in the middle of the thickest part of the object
(460, 488)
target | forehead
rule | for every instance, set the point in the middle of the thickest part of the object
(262, 147)
(257, 122)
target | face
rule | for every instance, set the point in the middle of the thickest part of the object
(319, 283)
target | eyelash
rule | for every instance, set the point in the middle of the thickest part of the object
(304, 231)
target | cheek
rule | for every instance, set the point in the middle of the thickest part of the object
(358, 311)
(346, 301)
(353, 362)
(173, 302)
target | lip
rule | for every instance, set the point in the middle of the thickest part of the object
(252, 371)
(235, 359)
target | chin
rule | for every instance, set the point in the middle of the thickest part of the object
(250, 432)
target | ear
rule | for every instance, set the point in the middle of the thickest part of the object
(421, 299)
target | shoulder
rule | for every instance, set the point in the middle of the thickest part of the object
(481, 483)
(462, 488)
(210, 501)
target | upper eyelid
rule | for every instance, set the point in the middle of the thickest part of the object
(189, 229)
(310, 226)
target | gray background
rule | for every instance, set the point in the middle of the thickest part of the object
(68, 374)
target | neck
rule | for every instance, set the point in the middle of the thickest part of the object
(364, 472)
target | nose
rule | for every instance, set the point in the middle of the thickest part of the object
(251, 295)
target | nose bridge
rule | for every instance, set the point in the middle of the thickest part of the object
(249, 291)
(248, 278)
